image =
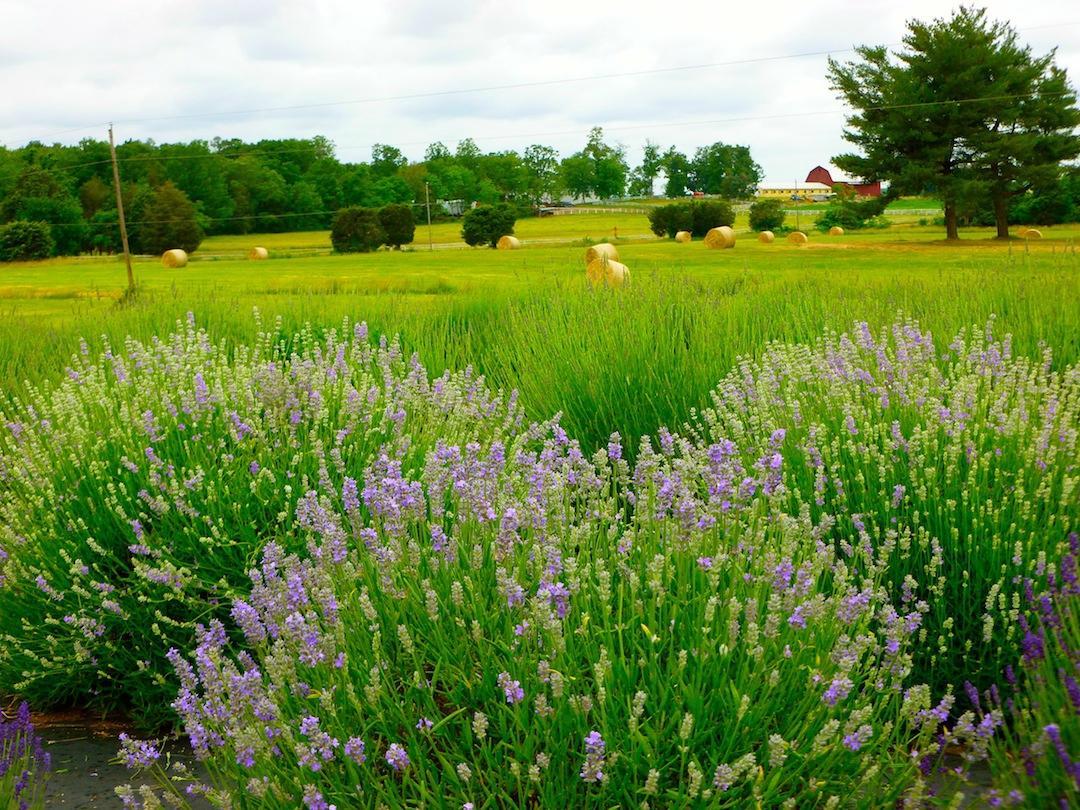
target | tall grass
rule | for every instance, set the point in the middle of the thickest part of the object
(627, 362)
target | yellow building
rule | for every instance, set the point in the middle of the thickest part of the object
(804, 191)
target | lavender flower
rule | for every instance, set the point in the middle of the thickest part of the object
(593, 769)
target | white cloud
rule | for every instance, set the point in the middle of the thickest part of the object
(71, 64)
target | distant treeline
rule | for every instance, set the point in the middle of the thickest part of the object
(234, 187)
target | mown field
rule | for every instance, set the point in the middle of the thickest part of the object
(772, 526)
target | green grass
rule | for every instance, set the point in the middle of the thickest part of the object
(528, 320)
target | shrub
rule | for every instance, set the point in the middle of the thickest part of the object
(668, 220)
(25, 241)
(397, 223)
(24, 764)
(485, 224)
(852, 214)
(498, 602)
(118, 538)
(1038, 715)
(168, 221)
(356, 230)
(767, 215)
(708, 214)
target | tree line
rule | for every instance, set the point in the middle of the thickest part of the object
(175, 193)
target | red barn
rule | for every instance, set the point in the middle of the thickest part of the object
(819, 174)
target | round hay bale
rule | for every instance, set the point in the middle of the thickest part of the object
(259, 253)
(720, 238)
(797, 238)
(603, 249)
(682, 236)
(174, 258)
(1032, 233)
(508, 243)
(836, 230)
(607, 271)
(766, 237)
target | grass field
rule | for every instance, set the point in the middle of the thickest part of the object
(518, 316)
(836, 531)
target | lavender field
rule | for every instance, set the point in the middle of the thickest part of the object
(850, 579)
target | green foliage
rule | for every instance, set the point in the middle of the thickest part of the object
(728, 171)
(1000, 146)
(168, 220)
(485, 224)
(398, 224)
(599, 169)
(23, 240)
(668, 220)
(853, 214)
(698, 217)
(357, 230)
(708, 214)
(767, 215)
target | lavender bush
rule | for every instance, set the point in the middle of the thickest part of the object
(519, 624)
(376, 588)
(1035, 759)
(955, 472)
(135, 495)
(24, 764)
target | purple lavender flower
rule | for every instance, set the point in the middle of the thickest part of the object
(593, 769)
(512, 689)
(397, 758)
(139, 753)
(354, 749)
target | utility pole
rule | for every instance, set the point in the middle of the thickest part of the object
(797, 205)
(120, 213)
(427, 202)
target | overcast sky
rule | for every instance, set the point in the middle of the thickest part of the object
(182, 69)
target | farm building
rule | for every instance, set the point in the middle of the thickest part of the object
(802, 191)
(819, 174)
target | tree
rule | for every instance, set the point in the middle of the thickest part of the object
(934, 118)
(726, 170)
(677, 169)
(356, 230)
(767, 215)
(668, 220)
(541, 164)
(386, 160)
(577, 175)
(170, 222)
(25, 241)
(708, 214)
(643, 178)
(93, 196)
(485, 224)
(398, 224)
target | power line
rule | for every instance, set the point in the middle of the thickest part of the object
(513, 86)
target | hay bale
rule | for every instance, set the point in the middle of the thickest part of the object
(1032, 233)
(259, 253)
(603, 270)
(836, 230)
(720, 238)
(766, 237)
(602, 250)
(797, 238)
(174, 258)
(508, 243)
(682, 236)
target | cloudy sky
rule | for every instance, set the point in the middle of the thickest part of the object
(183, 69)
